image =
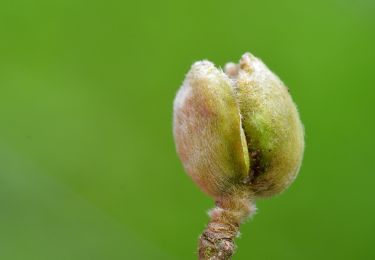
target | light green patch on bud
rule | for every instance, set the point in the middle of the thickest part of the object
(207, 130)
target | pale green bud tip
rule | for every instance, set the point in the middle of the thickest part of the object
(237, 130)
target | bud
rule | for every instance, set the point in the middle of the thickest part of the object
(239, 137)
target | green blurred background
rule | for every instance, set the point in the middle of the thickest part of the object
(88, 168)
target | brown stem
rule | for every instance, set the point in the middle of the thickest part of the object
(217, 241)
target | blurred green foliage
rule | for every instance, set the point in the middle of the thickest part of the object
(88, 168)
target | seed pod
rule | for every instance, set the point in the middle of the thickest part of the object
(239, 136)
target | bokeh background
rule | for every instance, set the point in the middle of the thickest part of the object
(88, 168)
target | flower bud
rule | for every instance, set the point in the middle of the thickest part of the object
(239, 137)
(239, 128)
